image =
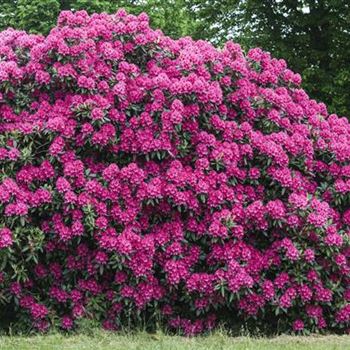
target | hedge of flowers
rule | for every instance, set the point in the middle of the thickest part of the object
(151, 180)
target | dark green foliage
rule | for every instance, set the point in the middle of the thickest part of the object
(313, 36)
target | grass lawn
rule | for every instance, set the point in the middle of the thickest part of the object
(112, 341)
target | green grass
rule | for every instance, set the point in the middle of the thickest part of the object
(100, 340)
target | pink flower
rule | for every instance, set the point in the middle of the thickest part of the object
(298, 326)
(38, 311)
(66, 323)
(5, 238)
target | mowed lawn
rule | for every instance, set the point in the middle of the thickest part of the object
(142, 341)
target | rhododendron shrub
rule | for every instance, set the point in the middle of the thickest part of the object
(145, 179)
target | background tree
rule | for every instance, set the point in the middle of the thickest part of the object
(312, 35)
(39, 16)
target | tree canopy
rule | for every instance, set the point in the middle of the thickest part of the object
(39, 16)
(312, 35)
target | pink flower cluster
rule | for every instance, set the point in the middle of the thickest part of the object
(142, 174)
